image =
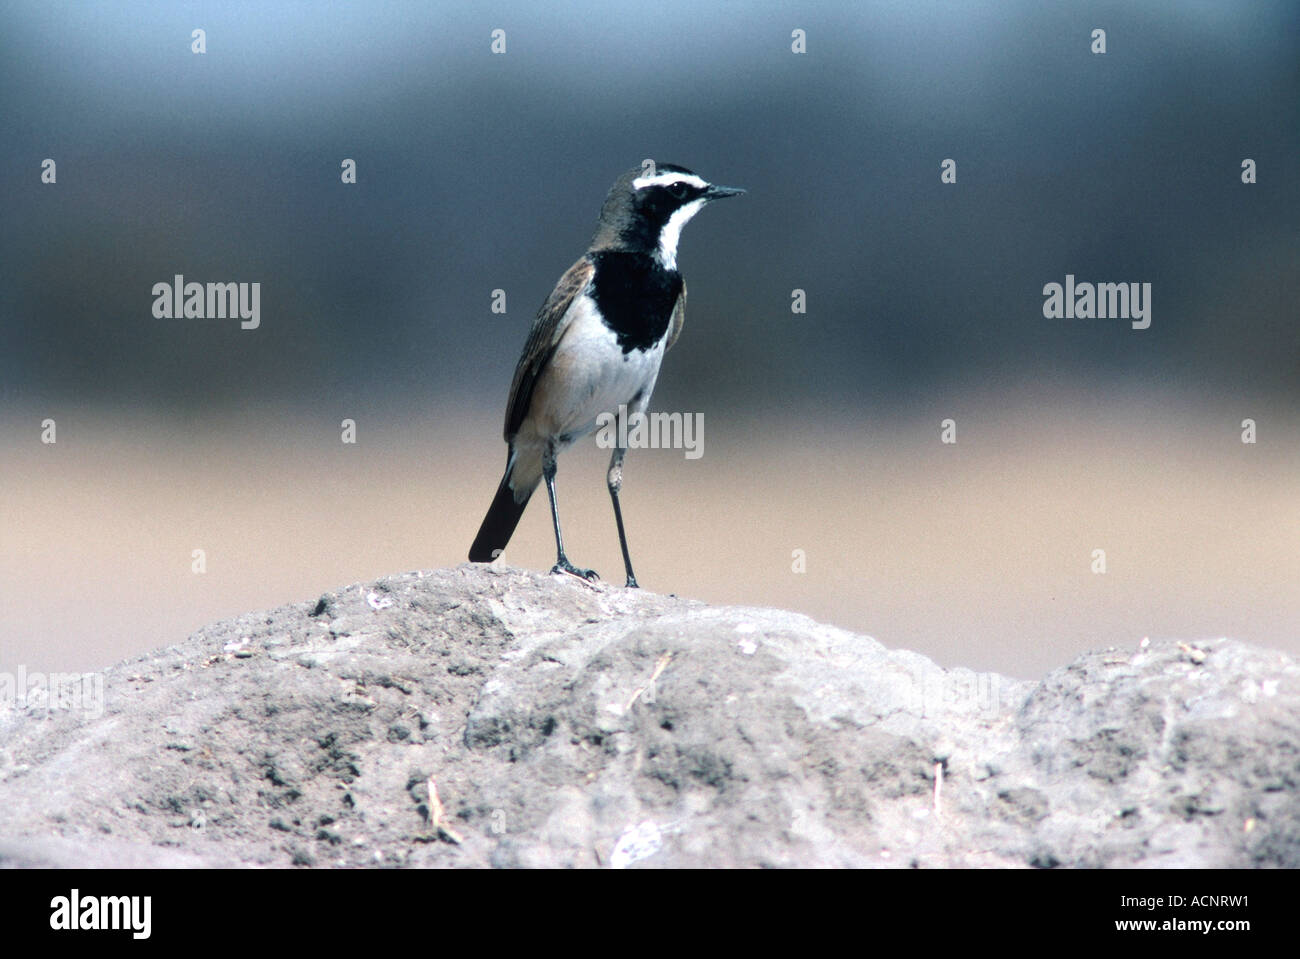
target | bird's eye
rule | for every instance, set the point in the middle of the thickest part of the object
(678, 190)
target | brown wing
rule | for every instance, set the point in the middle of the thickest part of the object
(679, 318)
(550, 324)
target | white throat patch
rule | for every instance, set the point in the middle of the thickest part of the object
(672, 232)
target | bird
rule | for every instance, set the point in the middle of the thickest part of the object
(595, 347)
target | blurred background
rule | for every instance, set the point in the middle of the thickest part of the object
(479, 171)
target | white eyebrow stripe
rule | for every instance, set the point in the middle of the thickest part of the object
(664, 179)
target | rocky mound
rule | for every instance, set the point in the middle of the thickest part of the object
(490, 716)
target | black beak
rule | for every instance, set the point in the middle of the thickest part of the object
(715, 192)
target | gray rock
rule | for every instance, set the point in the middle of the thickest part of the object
(489, 716)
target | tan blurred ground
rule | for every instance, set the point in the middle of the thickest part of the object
(977, 554)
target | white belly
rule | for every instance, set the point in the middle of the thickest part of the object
(590, 374)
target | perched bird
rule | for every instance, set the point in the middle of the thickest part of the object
(596, 346)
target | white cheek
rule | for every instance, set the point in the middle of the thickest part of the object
(672, 232)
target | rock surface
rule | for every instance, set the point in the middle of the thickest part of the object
(490, 716)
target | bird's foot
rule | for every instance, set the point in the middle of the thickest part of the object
(632, 583)
(564, 566)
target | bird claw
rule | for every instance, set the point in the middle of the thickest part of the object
(564, 566)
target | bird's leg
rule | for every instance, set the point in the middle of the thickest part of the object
(562, 564)
(616, 484)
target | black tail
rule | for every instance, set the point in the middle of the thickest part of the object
(499, 523)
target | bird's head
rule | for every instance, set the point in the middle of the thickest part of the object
(646, 210)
